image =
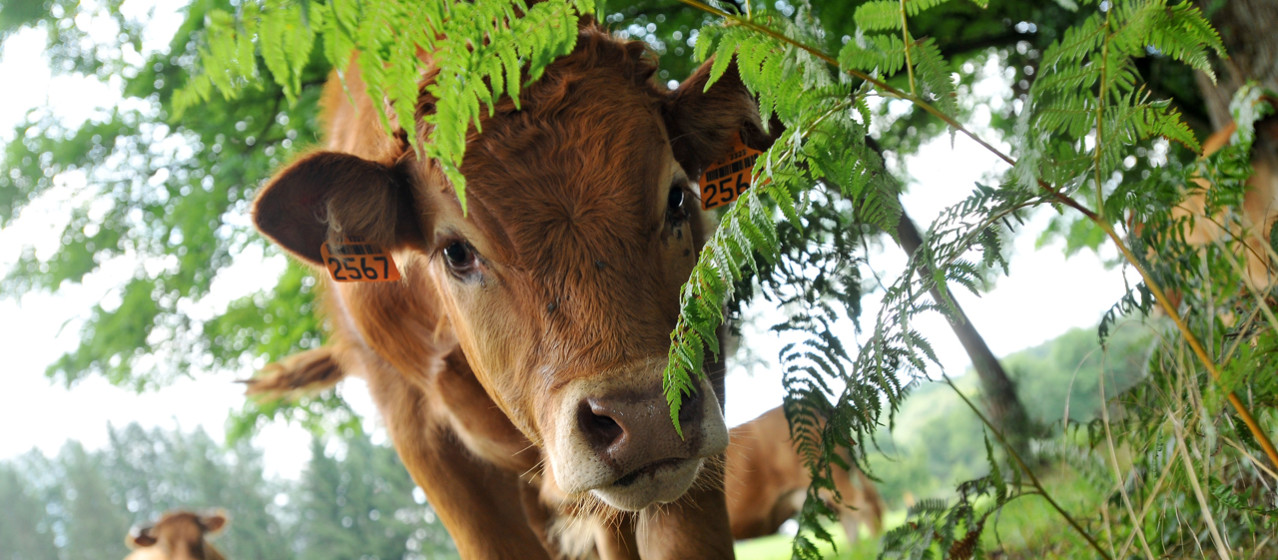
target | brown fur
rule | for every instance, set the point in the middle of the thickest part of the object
(1255, 218)
(1259, 209)
(766, 482)
(178, 535)
(524, 393)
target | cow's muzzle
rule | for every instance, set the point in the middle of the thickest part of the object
(622, 446)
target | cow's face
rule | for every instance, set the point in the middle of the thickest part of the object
(179, 535)
(561, 280)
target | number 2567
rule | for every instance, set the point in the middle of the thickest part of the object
(359, 268)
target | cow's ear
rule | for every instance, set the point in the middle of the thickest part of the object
(704, 124)
(213, 522)
(301, 373)
(331, 196)
(140, 538)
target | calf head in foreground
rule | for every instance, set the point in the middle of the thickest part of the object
(518, 360)
(178, 535)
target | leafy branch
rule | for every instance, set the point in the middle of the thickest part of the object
(1082, 128)
(1024, 468)
(479, 53)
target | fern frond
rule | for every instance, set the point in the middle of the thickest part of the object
(934, 75)
(1074, 46)
(878, 15)
(288, 54)
(482, 51)
(1178, 31)
(885, 15)
(884, 54)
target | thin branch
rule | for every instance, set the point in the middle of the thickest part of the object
(1100, 119)
(1020, 463)
(1203, 506)
(1194, 344)
(1144, 508)
(1118, 475)
(905, 40)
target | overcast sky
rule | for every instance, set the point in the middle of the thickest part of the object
(1045, 295)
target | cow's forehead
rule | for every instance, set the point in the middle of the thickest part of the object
(573, 183)
(179, 526)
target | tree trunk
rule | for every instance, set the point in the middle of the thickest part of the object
(1247, 29)
(999, 392)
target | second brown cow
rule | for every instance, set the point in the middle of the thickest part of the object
(517, 362)
(767, 482)
(177, 535)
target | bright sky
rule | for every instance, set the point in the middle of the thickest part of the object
(1045, 295)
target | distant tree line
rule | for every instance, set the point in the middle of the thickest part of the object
(932, 442)
(354, 500)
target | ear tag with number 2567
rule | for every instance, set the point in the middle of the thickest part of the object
(352, 260)
(725, 180)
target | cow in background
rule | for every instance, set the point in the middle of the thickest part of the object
(178, 535)
(517, 362)
(766, 482)
(1259, 209)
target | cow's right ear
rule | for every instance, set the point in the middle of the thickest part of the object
(331, 196)
(140, 538)
(705, 123)
(213, 522)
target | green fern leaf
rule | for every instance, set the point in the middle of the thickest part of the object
(882, 53)
(934, 75)
(878, 15)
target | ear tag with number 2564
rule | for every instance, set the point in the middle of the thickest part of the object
(725, 180)
(352, 260)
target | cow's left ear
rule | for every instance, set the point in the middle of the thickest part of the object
(331, 196)
(704, 124)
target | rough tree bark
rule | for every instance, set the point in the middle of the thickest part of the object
(1247, 28)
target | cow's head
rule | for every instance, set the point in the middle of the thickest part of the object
(561, 282)
(179, 535)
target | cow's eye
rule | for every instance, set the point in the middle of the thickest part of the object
(674, 203)
(460, 258)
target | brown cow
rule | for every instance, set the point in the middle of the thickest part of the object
(517, 362)
(1259, 209)
(766, 482)
(178, 535)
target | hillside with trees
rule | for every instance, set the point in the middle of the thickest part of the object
(353, 500)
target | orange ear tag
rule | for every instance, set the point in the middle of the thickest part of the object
(725, 180)
(355, 261)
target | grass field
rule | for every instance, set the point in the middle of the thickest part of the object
(777, 547)
(1026, 529)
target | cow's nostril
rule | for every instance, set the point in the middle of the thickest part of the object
(598, 425)
(690, 410)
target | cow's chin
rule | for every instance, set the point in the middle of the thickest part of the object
(659, 483)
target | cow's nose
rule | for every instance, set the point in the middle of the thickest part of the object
(629, 432)
(601, 423)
